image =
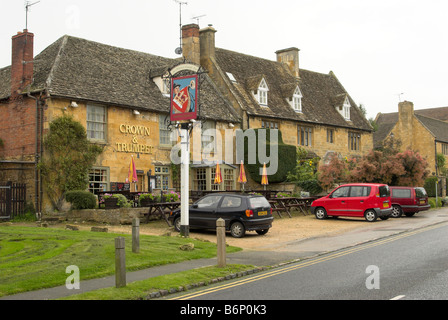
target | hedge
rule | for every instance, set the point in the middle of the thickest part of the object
(286, 158)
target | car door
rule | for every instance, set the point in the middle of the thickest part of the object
(357, 201)
(202, 213)
(336, 204)
(229, 207)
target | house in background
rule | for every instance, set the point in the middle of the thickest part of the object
(311, 109)
(115, 93)
(425, 131)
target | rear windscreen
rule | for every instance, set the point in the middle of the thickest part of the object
(258, 202)
(420, 192)
(384, 191)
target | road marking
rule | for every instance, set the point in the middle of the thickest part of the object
(305, 263)
(398, 297)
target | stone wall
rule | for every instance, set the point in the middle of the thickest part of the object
(112, 217)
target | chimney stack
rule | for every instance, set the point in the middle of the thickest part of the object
(22, 64)
(191, 48)
(207, 36)
(291, 58)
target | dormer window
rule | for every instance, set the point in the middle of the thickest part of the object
(296, 100)
(346, 109)
(262, 93)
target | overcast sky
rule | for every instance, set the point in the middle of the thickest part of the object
(381, 51)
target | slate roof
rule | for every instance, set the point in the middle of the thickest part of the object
(321, 92)
(80, 69)
(438, 127)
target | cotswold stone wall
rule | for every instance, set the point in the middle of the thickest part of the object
(113, 216)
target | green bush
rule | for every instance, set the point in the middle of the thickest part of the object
(432, 202)
(287, 156)
(81, 199)
(430, 186)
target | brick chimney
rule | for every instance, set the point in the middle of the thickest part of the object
(290, 56)
(190, 43)
(22, 61)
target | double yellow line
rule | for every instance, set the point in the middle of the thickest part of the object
(303, 264)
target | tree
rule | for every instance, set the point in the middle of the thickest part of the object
(305, 172)
(67, 159)
(334, 172)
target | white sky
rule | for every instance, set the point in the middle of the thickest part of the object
(377, 49)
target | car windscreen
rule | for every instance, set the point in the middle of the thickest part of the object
(384, 191)
(258, 202)
(420, 192)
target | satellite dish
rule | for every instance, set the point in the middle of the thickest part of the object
(178, 50)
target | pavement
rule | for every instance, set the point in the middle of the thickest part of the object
(273, 254)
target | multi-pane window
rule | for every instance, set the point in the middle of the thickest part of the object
(269, 124)
(354, 141)
(330, 135)
(164, 132)
(305, 136)
(346, 109)
(262, 93)
(162, 174)
(96, 122)
(229, 180)
(296, 100)
(445, 148)
(201, 179)
(98, 180)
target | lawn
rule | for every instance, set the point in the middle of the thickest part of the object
(34, 258)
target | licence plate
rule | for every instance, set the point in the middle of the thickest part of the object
(385, 204)
(262, 213)
(422, 201)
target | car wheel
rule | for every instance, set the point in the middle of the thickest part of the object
(237, 230)
(262, 232)
(176, 224)
(396, 211)
(370, 215)
(321, 213)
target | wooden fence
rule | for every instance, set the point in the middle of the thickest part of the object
(12, 200)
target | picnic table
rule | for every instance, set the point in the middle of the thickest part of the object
(287, 203)
(159, 209)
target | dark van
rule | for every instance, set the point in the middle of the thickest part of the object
(408, 200)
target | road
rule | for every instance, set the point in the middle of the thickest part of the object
(410, 265)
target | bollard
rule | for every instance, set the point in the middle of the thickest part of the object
(120, 263)
(136, 235)
(221, 242)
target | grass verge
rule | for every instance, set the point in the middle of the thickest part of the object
(139, 290)
(34, 258)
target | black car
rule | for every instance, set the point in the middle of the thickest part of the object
(241, 213)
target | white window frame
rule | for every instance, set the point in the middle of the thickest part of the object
(262, 93)
(346, 109)
(96, 123)
(296, 100)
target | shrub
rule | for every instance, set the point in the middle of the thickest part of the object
(286, 158)
(81, 199)
(145, 196)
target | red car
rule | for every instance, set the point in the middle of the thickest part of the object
(368, 200)
(408, 200)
